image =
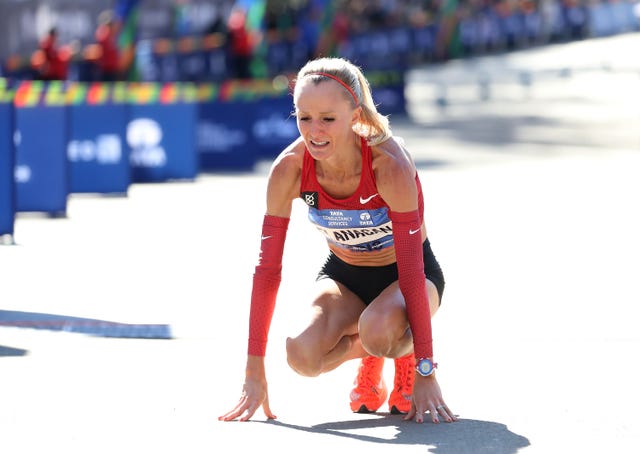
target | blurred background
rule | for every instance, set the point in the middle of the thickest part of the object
(98, 95)
(197, 40)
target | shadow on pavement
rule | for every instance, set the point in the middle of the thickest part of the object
(102, 328)
(11, 351)
(466, 435)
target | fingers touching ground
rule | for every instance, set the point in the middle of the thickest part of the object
(439, 412)
(246, 408)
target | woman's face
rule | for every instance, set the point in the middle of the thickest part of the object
(324, 117)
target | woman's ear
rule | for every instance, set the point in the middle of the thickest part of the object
(357, 113)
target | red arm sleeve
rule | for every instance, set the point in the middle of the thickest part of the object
(408, 243)
(266, 281)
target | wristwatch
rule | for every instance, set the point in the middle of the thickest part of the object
(426, 367)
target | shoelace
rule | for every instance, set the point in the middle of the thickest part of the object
(367, 376)
(404, 376)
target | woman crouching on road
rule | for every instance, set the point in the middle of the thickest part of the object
(381, 283)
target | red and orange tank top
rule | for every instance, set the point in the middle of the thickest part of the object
(359, 222)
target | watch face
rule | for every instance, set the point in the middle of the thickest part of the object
(425, 367)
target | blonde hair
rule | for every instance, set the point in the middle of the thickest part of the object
(373, 126)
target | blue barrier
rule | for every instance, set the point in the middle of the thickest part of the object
(172, 131)
(97, 151)
(41, 172)
(224, 139)
(7, 152)
(240, 122)
(162, 132)
(273, 127)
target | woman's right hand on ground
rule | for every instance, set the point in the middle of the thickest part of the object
(254, 394)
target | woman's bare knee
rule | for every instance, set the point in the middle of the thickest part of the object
(301, 360)
(384, 332)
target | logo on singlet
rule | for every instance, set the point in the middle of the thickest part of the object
(310, 198)
(364, 200)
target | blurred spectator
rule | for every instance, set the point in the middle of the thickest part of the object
(240, 46)
(50, 62)
(335, 33)
(108, 57)
(447, 33)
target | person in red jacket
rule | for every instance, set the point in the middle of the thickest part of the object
(108, 54)
(240, 45)
(50, 62)
(381, 283)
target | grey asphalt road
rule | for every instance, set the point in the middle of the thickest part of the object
(530, 164)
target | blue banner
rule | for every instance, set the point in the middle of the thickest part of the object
(161, 132)
(225, 141)
(41, 171)
(7, 152)
(273, 127)
(97, 151)
(162, 140)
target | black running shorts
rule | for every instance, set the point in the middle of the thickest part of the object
(369, 281)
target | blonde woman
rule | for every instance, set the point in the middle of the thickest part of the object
(381, 283)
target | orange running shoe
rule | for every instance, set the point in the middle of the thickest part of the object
(400, 398)
(370, 390)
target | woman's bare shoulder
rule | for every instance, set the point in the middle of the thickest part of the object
(289, 161)
(392, 159)
(395, 175)
(284, 179)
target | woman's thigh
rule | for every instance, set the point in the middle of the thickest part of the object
(335, 314)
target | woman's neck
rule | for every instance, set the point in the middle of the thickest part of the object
(343, 164)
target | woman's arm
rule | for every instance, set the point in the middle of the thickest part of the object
(281, 190)
(397, 184)
(396, 180)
